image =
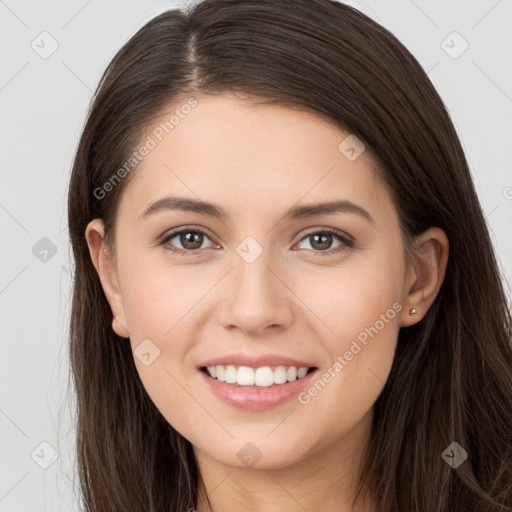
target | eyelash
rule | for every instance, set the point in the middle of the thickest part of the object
(347, 243)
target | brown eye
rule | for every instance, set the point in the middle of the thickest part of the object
(190, 240)
(321, 241)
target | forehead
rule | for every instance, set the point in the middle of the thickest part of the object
(249, 157)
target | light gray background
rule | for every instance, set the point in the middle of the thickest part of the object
(43, 104)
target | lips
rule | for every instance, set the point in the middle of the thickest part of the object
(256, 382)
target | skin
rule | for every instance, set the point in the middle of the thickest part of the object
(256, 161)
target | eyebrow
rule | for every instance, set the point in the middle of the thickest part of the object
(213, 210)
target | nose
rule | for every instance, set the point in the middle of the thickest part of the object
(258, 297)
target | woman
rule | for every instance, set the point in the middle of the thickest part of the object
(285, 293)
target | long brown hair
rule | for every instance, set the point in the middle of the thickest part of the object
(451, 379)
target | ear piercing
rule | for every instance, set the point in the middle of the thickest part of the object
(412, 311)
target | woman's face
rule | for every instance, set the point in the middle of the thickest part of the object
(263, 286)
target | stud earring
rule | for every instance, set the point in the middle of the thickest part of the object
(412, 311)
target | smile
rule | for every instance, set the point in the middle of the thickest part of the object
(256, 389)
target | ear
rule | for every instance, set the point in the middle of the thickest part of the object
(425, 274)
(105, 266)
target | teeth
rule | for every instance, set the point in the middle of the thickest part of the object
(263, 377)
(245, 376)
(302, 372)
(220, 371)
(279, 375)
(291, 373)
(230, 374)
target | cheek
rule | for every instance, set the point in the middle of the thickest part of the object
(352, 297)
(164, 304)
(157, 299)
(161, 304)
(360, 306)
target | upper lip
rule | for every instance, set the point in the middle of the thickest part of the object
(240, 359)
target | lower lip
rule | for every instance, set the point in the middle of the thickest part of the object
(256, 399)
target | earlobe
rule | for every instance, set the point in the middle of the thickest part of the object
(119, 328)
(105, 267)
(429, 264)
